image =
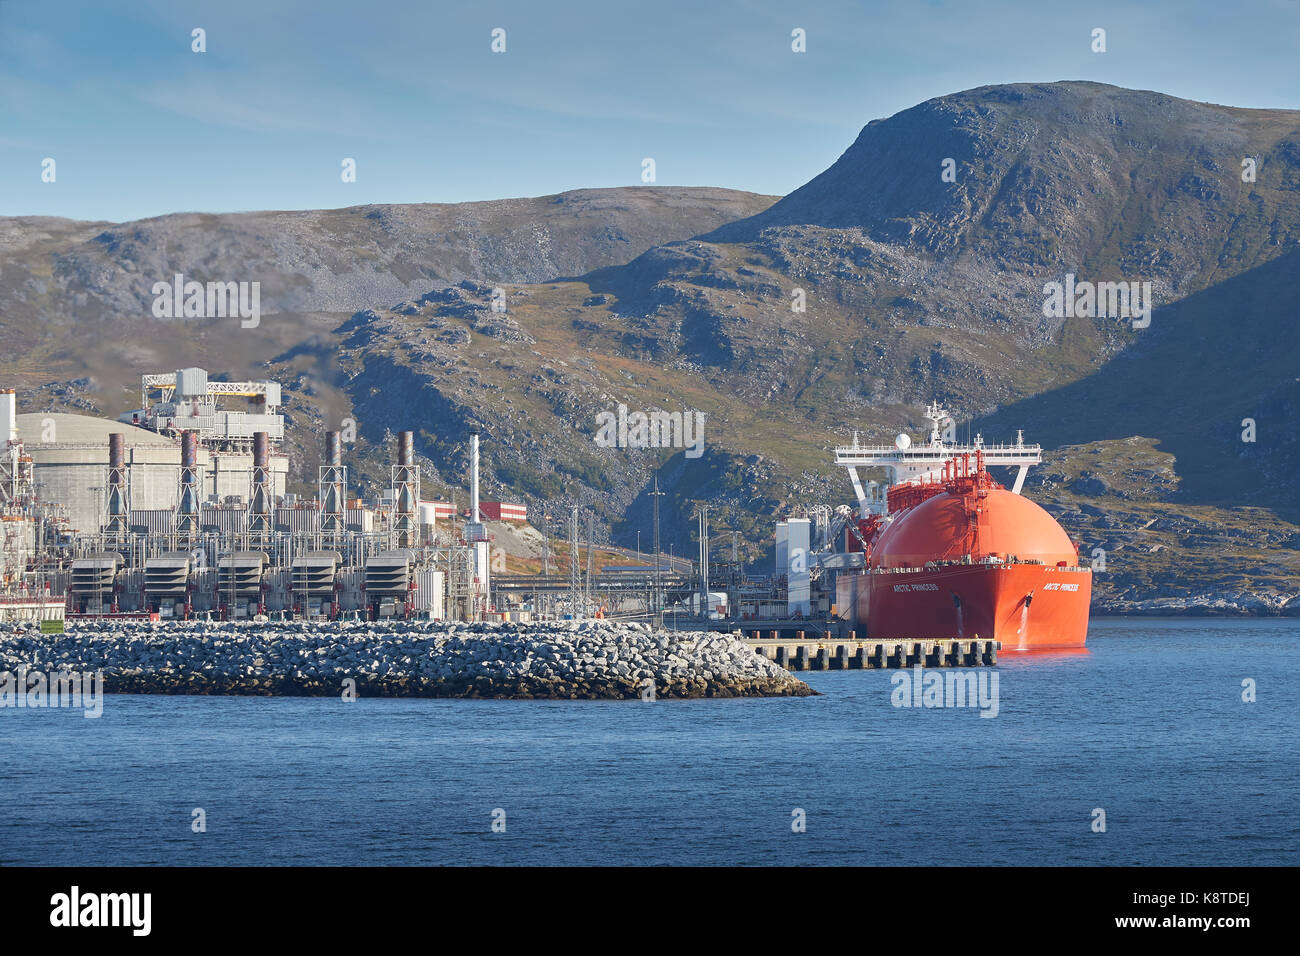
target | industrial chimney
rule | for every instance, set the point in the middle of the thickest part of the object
(187, 508)
(9, 414)
(476, 534)
(260, 517)
(473, 478)
(406, 492)
(15, 470)
(333, 486)
(117, 517)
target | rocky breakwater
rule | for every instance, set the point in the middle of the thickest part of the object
(562, 660)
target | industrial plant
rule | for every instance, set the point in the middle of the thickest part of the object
(178, 510)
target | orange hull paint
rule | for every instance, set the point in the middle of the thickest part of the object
(963, 601)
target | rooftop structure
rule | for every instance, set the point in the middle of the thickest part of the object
(904, 461)
(186, 400)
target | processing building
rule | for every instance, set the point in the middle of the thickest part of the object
(178, 509)
(70, 458)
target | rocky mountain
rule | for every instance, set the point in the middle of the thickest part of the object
(340, 260)
(1079, 176)
(917, 267)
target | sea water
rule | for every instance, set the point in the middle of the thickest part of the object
(1145, 749)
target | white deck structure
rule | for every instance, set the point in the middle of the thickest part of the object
(905, 462)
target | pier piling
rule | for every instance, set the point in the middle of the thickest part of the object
(798, 655)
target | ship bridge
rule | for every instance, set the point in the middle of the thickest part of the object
(905, 462)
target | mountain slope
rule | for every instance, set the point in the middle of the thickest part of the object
(1073, 175)
(912, 288)
(1207, 364)
(345, 259)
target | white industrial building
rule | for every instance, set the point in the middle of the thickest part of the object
(70, 466)
(178, 508)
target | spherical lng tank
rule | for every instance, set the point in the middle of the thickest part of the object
(978, 561)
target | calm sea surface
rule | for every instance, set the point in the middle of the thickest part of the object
(1148, 725)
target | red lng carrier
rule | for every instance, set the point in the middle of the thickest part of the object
(950, 553)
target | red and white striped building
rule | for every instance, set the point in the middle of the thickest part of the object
(488, 510)
(502, 511)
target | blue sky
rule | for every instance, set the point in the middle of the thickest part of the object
(140, 125)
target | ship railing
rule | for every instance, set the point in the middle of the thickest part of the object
(985, 563)
(944, 451)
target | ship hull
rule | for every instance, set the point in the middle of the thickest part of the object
(969, 601)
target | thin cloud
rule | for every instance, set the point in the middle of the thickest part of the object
(235, 109)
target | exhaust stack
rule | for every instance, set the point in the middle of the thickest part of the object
(406, 492)
(259, 501)
(473, 478)
(187, 508)
(118, 511)
(9, 413)
(333, 486)
(476, 536)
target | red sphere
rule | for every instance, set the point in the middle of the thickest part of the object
(938, 529)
